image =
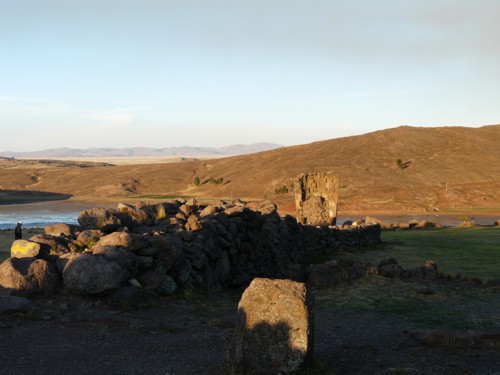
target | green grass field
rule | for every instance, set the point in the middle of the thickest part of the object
(471, 252)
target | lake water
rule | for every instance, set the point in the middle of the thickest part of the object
(38, 215)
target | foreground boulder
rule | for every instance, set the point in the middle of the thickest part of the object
(29, 276)
(92, 275)
(24, 249)
(274, 328)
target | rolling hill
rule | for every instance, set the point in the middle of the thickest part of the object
(401, 169)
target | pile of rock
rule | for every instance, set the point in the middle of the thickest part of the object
(411, 224)
(391, 269)
(160, 247)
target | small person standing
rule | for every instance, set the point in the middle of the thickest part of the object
(18, 233)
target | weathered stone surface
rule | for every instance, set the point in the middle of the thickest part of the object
(92, 275)
(15, 304)
(116, 239)
(122, 256)
(89, 237)
(264, 207)
(28, 276)
(185, 210)
(234, 211)
(337, 272)
(193, 223)
(52, 246)
(63, 259)
(107, 220)
(208, 211)
(60, 229)
(168, 286)
(24, 249)
(316, 197)
(389, 268)
(274, 329)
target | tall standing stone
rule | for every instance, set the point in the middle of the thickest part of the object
(274, 328)
(316, 197)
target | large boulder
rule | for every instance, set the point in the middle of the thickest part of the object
(274, 328)
(264, 207)
(105, 219)
(60, 229)
(52, 246)
(389, 268)
(92, 275)
(143, 213)
(122, 256)
(29, 276)
(24, 249)
(123, 239)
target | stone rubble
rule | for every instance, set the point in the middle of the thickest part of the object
(184, 244)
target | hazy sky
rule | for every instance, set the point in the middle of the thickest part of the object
(160, 73)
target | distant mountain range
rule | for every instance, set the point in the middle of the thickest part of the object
(186, 151)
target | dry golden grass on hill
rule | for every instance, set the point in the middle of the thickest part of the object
(404, 168)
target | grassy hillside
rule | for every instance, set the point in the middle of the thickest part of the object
(404, 168)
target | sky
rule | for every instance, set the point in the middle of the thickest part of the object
(164, 73)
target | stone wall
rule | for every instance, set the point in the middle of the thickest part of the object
(186, 244)
(316, 197)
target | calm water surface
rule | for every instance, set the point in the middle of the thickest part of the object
(38, 215)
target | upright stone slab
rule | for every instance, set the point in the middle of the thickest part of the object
(316, 197)
(274, 328)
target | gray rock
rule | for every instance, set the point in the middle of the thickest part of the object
(63, 259)
(389, 268)
(92, 275)
(274, 328)
(89, 237)
(61, 229)
(168, 286)
(123, 239)
(122, 256)
(52, 246)
(107, 220)
(29, 276)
